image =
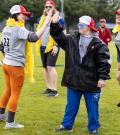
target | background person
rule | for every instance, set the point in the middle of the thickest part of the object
(104, 32)
(49, 52)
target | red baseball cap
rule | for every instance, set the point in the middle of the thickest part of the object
(19, 9)
(51, 2)
(117, 12)
(88, 21)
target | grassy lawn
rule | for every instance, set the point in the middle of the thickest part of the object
(41, 115)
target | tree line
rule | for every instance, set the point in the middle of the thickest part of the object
(73, 8)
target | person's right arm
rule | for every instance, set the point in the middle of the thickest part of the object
(56, 31)
(24, 34)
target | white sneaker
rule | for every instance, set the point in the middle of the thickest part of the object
(3, 117)
(13, 125)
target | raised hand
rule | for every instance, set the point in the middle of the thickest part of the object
(49, 16)
(55, 17)
(54, 50)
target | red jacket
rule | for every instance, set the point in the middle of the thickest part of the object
(105, 36)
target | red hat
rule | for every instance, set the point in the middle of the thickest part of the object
(88, 21)
(51, 2)
(19, 9)
(117, 12)
(103, 20)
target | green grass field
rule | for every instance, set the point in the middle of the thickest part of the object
(41, 115)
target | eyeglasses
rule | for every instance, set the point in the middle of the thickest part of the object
(48, 7)
(82, 25)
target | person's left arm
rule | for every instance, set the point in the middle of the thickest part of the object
(103, 64)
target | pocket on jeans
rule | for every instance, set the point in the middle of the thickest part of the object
(96, 96)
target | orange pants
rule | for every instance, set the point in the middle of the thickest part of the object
(14, 79)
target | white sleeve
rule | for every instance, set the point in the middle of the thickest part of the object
(22, 33)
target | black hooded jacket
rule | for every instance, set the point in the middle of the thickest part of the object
(94, 66)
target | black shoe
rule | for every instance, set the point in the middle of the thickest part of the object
(62, 128)
(95, 132)
(53, 93)
(118, 105)
(47, 91)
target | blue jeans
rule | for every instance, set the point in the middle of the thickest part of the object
(72, 107)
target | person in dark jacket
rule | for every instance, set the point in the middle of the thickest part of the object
(87, 68)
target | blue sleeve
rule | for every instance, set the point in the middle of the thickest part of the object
(62, 22)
